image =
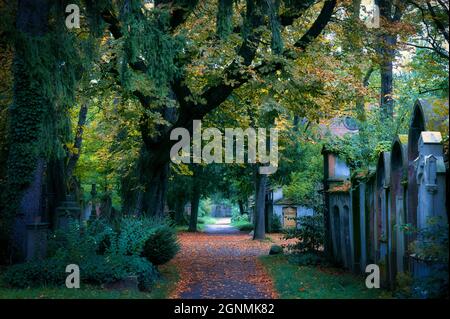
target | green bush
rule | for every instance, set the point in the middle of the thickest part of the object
(431, 248)
(133, 234)
(103, 255)
(244, 226)
(275, 224)
(144, 270)
(161, 246)
(238, 218)
(204, 208)
(275, 250)
(310, 234)
(241, 222)
(94, 269)
(36, 273)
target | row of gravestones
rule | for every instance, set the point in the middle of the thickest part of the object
(32, 228)
(365, 214)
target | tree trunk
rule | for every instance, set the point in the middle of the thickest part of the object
(179, 212)
(360, 111)
(73, 157)
(195, 202)
(260, 192)
(386, 71)
(390, 13)
(241, 207)
(154, 197)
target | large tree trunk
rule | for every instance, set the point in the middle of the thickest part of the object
(390, 13)
(386, 71)
(260, 192)
(154, 197)
(195, 202)
(144, 189)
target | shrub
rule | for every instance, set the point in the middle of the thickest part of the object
(432, 249)
(204, 208)
(238, 218)
(310, 234)
(78, 241)
(93, 270)
(161, 246)
(242, 222)
(403, 287)
(275, 224)
(35, 273)
(244, 226)
(133, 234)
(103, 255)
(144, 270)
(275, 250)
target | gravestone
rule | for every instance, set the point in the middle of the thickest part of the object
(339, 225)
(430, 178)
(381, 214)
(67, 211)
(30, 212)
(370, 215)
(397, 214)
(37, 234)
(430, 175)
(424, 118)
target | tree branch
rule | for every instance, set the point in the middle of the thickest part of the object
(318, 25)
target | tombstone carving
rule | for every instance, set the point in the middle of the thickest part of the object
(382, 212)
(30, 225)
(67, 211)
(397, 213)
(430, 178)
(424, 118)
(363, 213)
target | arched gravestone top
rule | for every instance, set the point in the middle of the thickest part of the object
(425, 117)
(383, 171)
(399, 154)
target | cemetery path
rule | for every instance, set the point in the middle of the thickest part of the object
(222, 262)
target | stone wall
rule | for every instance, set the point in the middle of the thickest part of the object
(364, 214)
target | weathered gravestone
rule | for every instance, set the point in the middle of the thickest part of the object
(381, 207)
(430, 178)
(397, 213)
(30, 227)
(69, 210)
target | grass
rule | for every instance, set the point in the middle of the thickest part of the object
(169, 277)
(304, 282)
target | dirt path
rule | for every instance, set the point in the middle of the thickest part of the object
(221, 263)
